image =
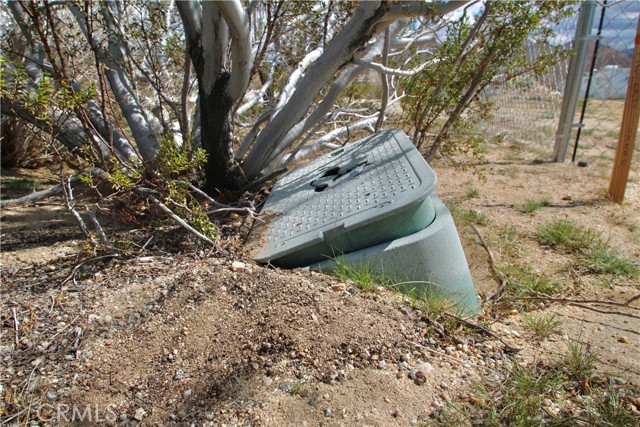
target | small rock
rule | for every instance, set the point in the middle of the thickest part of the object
(623, 339)
(328, 412)
(339, 287)
(238, 266)
(107, 319)
(179, 374)
(412, 374)
(426, 367)
(420, 378)
(284, 387)
(138, 395)
(51, 395)
(396, 413)
(382, 364)
(187, 393)
(583, 163)
(139, 414)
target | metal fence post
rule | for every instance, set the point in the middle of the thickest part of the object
(574, 79)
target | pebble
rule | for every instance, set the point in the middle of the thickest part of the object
(187, 393)
(382, 364)
(51, 395)
(623, 339)
(396, 413)
(107, 319)
(139, 414)
(328, 412)
(339, 287)
(420, 378)
(179, 374)
(426, 367)
(238, 266)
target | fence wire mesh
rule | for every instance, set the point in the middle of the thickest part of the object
(527, 110)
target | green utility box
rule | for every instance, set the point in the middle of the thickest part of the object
(371, 202)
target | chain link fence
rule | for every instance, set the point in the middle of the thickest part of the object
(527, 110)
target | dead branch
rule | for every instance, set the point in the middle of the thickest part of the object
(210, 199)
(77, 267)
(92, 216)
(16, 324)
(502, 281)
(582, 301)
(69, 203)
(187, 227)
(485, 330)
(632, 299)
(56, 190)
(597, 310)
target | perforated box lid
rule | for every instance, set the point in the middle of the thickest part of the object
(369, 192)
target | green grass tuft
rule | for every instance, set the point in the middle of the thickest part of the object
(568, 236)
(531, 206)
(362, 275)
(580, 362)
(524, 282)
(542, 325)
(605, 261)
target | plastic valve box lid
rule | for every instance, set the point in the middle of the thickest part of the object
(369, 192)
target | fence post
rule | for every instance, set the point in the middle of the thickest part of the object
(574, 79)
(628, 128)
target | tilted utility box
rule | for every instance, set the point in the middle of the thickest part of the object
(369, 203)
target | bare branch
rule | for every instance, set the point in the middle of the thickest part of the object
(239, 26)
(392, 71)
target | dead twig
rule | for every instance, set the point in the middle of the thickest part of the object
(16, 325)
(502, 281)
(77, 267)
(581, 301)
(94, 220)
(597, 310)
(632, 299)
(221, 207)
(485, 330)
(187, 227)
(70, 204)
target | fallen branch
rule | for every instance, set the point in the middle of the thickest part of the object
(582, 301)
(69, 203)
(597, 310)
(478, 327)
(56, 190)
(16, 324)
(502, 281)
(77, 267)
(97, 226)
(632, 299)
(187, 227)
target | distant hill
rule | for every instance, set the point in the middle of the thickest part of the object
(608, 55)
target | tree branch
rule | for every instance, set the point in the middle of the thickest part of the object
(239, 26)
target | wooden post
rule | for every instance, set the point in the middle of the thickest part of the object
(628, 129)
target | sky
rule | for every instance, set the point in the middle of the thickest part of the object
(619, 29)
